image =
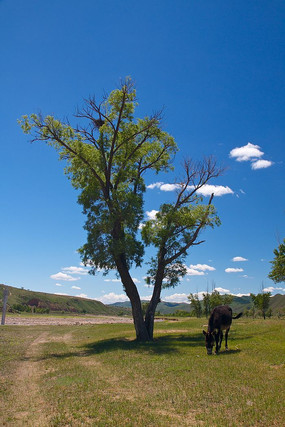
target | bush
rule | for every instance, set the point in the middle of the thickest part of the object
(21, 308)
(24, 308)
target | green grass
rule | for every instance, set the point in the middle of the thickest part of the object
(97, 375)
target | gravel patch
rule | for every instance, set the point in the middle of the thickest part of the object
(46, 320)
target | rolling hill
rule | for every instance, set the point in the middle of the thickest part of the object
(58, 303)
(69, 304)
(277, 302)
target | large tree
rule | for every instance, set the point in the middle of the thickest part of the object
(108, 155)
(277, 273)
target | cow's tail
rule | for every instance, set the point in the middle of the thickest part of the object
(238, 316)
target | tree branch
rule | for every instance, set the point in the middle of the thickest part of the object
(195, 235)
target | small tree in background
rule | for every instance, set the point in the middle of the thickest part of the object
(277, 273)
(195, 304)
(217, 299)
(206, 304)
(261, 302)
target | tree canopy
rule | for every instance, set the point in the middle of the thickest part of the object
(107, 156)
(210, 301)
(277, 273)
(261, 301)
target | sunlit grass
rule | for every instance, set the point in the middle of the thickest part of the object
(98, 375)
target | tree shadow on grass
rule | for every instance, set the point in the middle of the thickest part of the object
(166, 344)
(160, 345)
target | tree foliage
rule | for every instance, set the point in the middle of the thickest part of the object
(206, 304)
(212, 300)
(217, 299)
(277, 273)
(261, 301)
(196, 304)
(107, 156)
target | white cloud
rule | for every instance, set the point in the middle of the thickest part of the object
(75, 270)
(58, 284)
(193, 272)
(239, 259)
(261, 164)
(200, 294)
(154, 185)
(170, 187)
(273, 289)
(202, 267)
(119, 280)
(233, 270)
(60, 293)
(250, 152)
(218, 190)
(112, 297)
(82, 296)
(206, 190)
(64, 276)
(269, 289)
(241, 295)
(246, 153)
(176, 298)
(222, 290)
(75, 287)
(146, 298)
(151, 214)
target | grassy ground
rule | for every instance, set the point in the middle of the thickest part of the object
(97, 375)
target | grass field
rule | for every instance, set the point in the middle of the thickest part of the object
(97, 375)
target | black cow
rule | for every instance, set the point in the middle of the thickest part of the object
(220, 319)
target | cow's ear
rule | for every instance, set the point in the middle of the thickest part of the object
(204, 332)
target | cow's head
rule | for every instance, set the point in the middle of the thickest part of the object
(209, 340)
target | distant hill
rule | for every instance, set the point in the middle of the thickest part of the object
(58, 303)
(238, 304)
(68, 304)
(277, 302)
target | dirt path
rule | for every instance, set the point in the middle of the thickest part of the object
(28, 405)
(49, 320)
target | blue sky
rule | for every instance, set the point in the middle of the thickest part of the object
(218, 70)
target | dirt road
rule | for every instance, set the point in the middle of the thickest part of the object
(68, 320)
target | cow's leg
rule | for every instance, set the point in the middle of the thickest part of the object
(226, 338)
(217, 337)
(221, 339)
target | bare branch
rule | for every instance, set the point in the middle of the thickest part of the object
(92, 107)
(194, 237)
(196, 176)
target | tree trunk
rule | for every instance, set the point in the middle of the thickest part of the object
(150, 313)
(149, 317)
(132, 292)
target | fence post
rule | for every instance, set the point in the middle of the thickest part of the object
(5, 298)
